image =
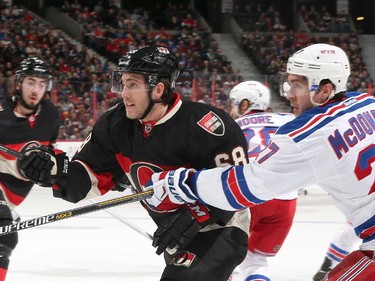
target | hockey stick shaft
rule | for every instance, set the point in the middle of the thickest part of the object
(6, 229)
(127, 222)
(11, 152)
(130, 224)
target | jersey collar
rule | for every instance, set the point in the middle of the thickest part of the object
(147, 127)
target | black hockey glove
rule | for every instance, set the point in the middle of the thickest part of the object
(179, 228)
(43, 165)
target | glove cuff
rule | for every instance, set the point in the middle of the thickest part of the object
(60, 170)
(199, 212)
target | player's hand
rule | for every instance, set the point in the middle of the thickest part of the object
(180, 227)
(171, 189)
(43, 165)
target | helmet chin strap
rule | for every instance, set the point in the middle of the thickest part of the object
(151, 104)
(315, 104)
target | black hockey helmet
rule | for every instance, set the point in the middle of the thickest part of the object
(36, 67)
(152, 61)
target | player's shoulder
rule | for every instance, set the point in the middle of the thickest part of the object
(208, 118)
(49, 107)
(112, 117)
(358, 95)
(6, 105)
(114, 110)
(324, 116)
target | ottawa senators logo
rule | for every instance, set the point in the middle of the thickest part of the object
(183, 258)
(141, 173)
(212, 124)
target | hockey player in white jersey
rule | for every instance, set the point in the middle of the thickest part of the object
(330, 143)
(342, 243)
(271, 221)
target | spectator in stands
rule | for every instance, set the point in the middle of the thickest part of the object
(62, 134)
(363, 88)
(31, 49)
(87, 130)
(76, 134)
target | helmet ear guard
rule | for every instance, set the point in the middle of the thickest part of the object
(34, 67)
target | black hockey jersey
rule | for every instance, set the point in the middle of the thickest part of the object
(19, 132)
(191, 134)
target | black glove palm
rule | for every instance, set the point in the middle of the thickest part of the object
(37, 168)
(38, 165)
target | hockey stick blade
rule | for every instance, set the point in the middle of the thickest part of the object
(6, 229)
(11, 152)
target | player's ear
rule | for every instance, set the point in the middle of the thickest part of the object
(159, 90)
(323, 93)
(327, 88)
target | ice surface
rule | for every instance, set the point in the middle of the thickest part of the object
(100, 247)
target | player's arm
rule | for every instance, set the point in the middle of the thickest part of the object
(92, 171)
(278, 169)
(7, 163)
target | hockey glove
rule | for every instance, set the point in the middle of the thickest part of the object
(171, 189)
(43, 165)
(180, 227)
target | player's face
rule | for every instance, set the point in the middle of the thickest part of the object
(135, 95)
(32, 90)
(299, 94)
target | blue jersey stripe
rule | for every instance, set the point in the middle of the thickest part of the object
(227, 192)
(239, 170)
(244, 188)
(331, 118)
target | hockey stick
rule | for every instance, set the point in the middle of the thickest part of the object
(11, 152)
(6, 229)
(128, 223)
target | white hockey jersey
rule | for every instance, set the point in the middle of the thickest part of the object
(258, 129)
(332, 145)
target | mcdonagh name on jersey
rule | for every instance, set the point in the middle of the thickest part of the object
(360, 126)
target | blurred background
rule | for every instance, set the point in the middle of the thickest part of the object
(218, 43)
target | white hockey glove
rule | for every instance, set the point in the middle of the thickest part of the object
(171, 189)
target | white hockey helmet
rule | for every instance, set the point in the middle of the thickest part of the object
(255, 92)
(321, 61)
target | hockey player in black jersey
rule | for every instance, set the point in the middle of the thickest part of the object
(26, 120)
(152, 130)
